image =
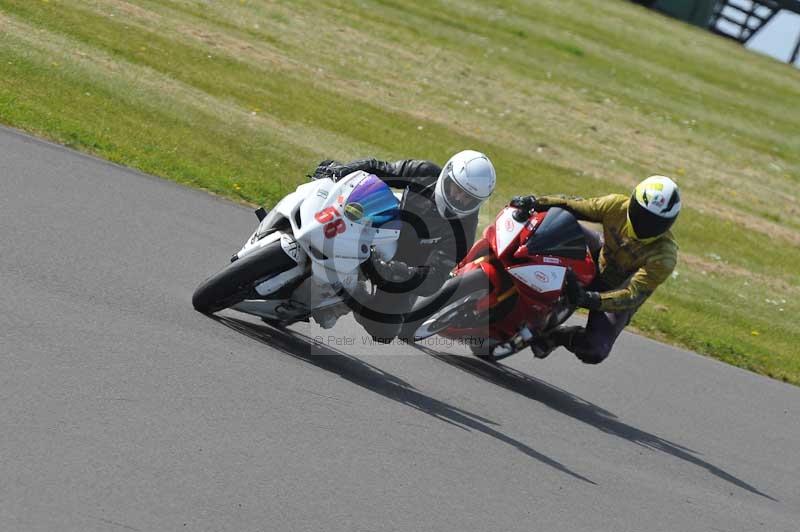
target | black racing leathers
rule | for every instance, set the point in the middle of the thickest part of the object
(430, 246)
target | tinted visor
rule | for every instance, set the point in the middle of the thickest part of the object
(456, 197)
(646, 224)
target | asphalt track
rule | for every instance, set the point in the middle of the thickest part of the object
(123, 409)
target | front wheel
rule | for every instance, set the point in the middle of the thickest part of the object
(461, 294)
(236, 281)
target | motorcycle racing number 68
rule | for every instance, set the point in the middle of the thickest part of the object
(334, 225)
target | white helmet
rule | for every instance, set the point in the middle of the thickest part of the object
(655, 204)
(466, 181)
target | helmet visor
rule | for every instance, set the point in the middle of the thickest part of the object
(456, 197)
(646, 224)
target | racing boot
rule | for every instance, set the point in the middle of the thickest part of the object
(560, 336)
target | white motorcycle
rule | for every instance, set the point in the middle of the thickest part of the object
(303, 261)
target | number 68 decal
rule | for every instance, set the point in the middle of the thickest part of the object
(334, 225)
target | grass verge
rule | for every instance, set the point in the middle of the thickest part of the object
(242, 97)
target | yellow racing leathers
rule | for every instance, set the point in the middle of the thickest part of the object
(631, 268)
(629, 271)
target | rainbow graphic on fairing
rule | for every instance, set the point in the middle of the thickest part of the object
(372, 202)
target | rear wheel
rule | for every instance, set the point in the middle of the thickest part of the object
(461, 294)
(236, 281)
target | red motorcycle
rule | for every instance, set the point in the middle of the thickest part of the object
(512, 284)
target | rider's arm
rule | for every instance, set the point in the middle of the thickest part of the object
(395, 174)
(401, 277)
(422, 280)
(589, 209)
(470, 227)
(440, 264)
(643, 283)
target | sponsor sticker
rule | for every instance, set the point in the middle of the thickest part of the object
(539, 277)
(289, 246)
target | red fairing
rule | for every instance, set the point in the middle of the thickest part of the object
(495, 277)
(526, 288)
(533, 222)
(481, 248)
(490, 236)
(584, 269)
(508, 232)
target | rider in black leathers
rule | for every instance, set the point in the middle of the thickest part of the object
(436, 233)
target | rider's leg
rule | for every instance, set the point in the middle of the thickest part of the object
(560, 336)
(594, 238)
(383, 318)
(593, 344)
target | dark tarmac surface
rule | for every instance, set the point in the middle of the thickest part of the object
(123, 409)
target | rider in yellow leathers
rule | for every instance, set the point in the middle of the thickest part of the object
(637, 252)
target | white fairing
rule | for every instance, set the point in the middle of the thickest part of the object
(506, 229)
(540, 277)
(347, 250)
(334, 257)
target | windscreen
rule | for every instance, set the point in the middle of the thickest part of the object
(372, 203)
(559, 235)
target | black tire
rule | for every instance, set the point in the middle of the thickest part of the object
(235, 282)
(449, 302)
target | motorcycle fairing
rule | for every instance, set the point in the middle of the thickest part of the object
(558, 234)
(555, 237)
(334, 226)
(344, 251)
(357, 228)
(506, 231)
(526, 288)
(540, 277)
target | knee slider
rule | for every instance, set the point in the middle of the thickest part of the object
(595, 355)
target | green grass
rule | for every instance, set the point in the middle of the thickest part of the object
(243, 97)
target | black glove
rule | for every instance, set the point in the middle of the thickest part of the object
(523, 203)
(336, 170)
(577, 295)
(523, 206)
(340, 170)
(325, 169)
(395, 271)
